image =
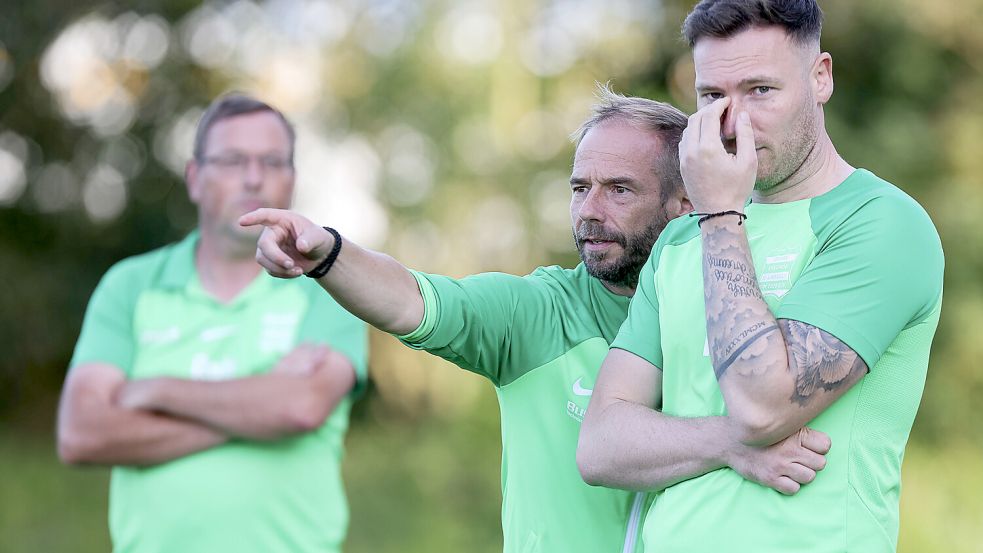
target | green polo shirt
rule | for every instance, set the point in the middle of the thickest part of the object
(862, 262)
(150, 317)
(540, 339)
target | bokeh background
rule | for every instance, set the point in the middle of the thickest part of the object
(434, 130)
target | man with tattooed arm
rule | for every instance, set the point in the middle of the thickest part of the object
(801, 291)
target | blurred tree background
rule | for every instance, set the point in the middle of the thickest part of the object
(435, 130)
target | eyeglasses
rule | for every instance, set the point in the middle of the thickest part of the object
(269, 163)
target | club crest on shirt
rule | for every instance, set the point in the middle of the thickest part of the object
(277, 332)
(776, 274)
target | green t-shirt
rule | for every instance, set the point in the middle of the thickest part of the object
(150, 317)
(540, 339)
(862, 262)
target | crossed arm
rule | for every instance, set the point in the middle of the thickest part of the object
(104, 418)
(775, 375)
(625, 442)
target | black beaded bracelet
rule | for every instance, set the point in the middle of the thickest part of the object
(704, 216)
(325, 266)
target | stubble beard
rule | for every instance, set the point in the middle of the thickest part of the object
(791, 154)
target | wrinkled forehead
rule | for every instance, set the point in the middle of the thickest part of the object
(618, 137)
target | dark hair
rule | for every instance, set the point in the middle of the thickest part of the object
(663, 119)
(801, 19)
(232, 105)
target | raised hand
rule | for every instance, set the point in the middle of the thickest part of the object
(715, 179)
(290, 244)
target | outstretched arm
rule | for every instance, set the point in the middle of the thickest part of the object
(372, 286)
(775, 375)
(626, 443)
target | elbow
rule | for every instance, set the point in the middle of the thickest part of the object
(588, 469)
(305, 416)
(74, 448)
(589, 463)
(68, 452)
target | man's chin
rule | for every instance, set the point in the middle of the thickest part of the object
(598, 267)
(247, 236)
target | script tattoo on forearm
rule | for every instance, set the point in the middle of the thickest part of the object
(742, 332)
(737, 316)
(738, 276)
(818, 360)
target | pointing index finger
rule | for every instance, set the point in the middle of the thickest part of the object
(263, 216)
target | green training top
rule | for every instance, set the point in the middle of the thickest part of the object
(540, 339)
(862, 262)
(150, 317)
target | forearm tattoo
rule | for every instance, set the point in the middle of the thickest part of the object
(743, 333)
(818, 360)
(737, 315)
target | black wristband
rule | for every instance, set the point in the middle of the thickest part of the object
(325, 266)
(704, 216)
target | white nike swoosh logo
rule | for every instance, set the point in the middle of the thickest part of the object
(580, 390)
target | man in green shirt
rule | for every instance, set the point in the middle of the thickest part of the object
(220, 395)
(540, 338)
(814, 304)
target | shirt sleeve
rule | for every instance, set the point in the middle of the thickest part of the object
(488, 324)
(641, 332)
(328, 323)
(877, 273)
(107, 329)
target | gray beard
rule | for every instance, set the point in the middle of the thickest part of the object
(624, 270)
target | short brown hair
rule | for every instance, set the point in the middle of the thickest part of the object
(665, 120)
(801, 19)
(232, 105)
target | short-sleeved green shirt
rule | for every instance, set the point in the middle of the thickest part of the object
(862, 262)
(540, 339)
(150, 317)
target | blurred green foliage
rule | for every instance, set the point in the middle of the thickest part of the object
(448, 121)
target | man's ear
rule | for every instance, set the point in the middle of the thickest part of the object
(191, 179)
(822, 78)
(678, 206)
(685, 205)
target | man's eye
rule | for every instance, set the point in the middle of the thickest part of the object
(231, 161)
(274, 162)
(712, 96)
(762, 89)
(620, 189)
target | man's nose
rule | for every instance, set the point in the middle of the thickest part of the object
(253, 172)
(728, 121)
(591, 208)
